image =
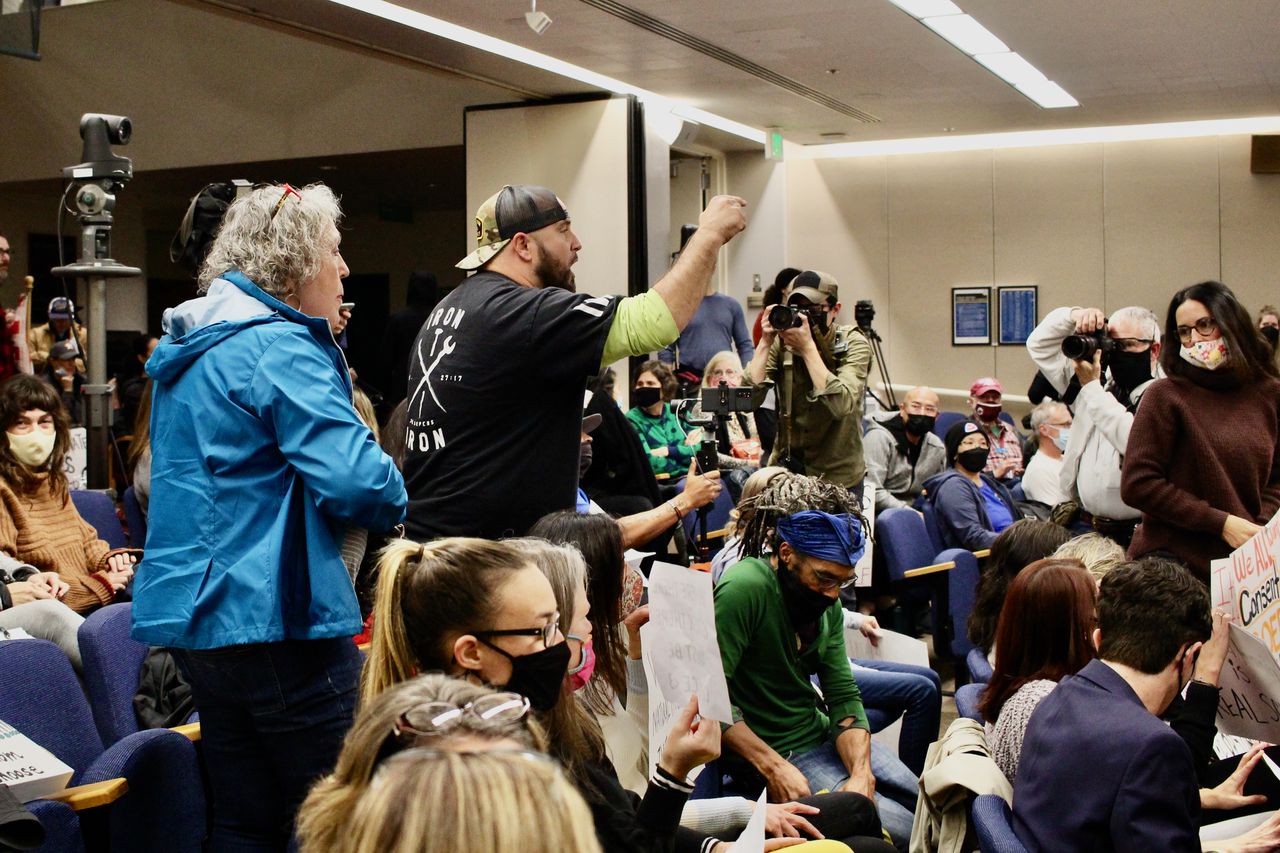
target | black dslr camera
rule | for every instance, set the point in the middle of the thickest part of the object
(783, 317)
(1083, 347)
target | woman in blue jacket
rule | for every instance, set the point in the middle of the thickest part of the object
(970, 508)
(259, 464)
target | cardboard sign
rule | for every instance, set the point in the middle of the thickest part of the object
(683, 643)
(1249, 701)
(29, 770)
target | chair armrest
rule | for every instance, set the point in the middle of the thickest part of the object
(985, 552)
(661, 477)
(929, 570)
(190, 731)
(91, 796)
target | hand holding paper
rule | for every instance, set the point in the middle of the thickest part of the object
(682, 640)
(692, 742)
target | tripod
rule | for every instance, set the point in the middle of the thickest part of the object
(877, 353)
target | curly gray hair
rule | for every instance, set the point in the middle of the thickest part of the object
(278, 252)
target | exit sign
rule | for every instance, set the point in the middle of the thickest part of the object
(773, 146)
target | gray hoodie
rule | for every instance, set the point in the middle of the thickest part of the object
(884, 448)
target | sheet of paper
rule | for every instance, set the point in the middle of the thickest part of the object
(1223, 830)
(752, 838)
(14, 634)
(1249, 701)
(683, 643)
(891, 646)
(862, 569)
(1229, 746)
(29, 770)
(661, 712)
(634, 558)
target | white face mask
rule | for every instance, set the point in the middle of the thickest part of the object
(33, 448)
(1207, 354)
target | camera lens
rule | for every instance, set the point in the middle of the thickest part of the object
(1079, 347)
(783, 317)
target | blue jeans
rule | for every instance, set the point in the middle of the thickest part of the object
(272, 720)
(896, 786)
(890, 690)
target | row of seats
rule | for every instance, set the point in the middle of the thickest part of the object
(98, 508)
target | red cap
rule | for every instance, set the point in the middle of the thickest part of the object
(983, 385)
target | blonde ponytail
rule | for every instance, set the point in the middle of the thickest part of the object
(391, 660)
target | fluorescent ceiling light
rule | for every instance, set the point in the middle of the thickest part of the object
(1011, 68)
(966, 33)
(507, 50)
(927, 8)
(1041, 138)
(1047, 94)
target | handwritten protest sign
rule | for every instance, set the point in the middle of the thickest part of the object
(76, 462)
(27, 769)
(685, 651)
(1249, 701)
(862, 569)
(661, 712)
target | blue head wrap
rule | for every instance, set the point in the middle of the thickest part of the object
(837, 538)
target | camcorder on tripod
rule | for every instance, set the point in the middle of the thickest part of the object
(717, 405)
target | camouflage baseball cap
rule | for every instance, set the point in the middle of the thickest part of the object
(814, 286)
(512, 210)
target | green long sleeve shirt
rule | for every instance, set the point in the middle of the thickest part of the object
(663, 431)
(769, 676)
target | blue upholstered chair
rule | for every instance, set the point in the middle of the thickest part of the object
(945, 421)
(967, 698)
(962, 592)
(112, 660)
(163, 806)
(61, 827)
(99, 510)
(993, 823)
(979, 667)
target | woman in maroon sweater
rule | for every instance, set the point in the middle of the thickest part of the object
(1202, 461)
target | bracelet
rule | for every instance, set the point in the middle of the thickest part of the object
(675, 507)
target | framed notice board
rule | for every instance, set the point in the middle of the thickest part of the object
(1017, 313)
(970, 316)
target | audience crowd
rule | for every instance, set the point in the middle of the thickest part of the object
(421, 627)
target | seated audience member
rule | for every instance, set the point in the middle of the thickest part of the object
(780, 623)
(1025, 542)
(444, 715)
(670, 447)
(132, 382)
(40, 339)
(30, 600)
(1269, 324)
(985, 401)
(902, 452)
(1203, 461)
(1128, 783)
(63, 377)
(481, 611)
(970, 507)
(139, 459)
(1051, 424)
(40, 525)
(1045, 633)
(1098, 553)
(740, 517)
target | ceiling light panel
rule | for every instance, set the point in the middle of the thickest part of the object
(1011, 68)
(966, 33)
(927, 8)
(1047, 94)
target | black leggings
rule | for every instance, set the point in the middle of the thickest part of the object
(850, 818)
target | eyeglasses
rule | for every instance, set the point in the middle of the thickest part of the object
(1134, 344)
(434, 718)
(547, 632)
(284, 196)
(1205, 326)
(826, 581)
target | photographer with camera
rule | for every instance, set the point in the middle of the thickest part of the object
(1115, 361)
(820, 397)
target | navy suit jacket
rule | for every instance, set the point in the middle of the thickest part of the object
(1100, 772)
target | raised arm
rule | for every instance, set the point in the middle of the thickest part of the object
(683, 287)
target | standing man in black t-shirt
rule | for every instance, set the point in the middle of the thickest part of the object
(497, 373)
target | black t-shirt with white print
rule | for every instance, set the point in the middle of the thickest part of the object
(496, 378)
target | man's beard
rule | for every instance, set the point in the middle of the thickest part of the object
(4, 275)
(550, 273)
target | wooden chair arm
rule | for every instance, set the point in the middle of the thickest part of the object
(661, 477)
(190, 731)
(985, 552)
(928, 570)
(83, 797)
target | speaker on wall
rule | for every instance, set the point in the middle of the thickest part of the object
(1265, 159)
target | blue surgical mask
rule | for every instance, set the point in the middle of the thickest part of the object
(1061, 439)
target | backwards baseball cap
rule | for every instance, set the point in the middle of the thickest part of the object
(59, 308)
(63, 350)
(814, 286)
(513, 210)
(985, 384)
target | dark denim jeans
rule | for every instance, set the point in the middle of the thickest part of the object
(272, 720)
(890, 690)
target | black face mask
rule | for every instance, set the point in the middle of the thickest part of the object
(1272, 334)
(584, 458)
(804, 606)
(919, 425)
(645, 397)
(1130, 369)
(974, 460)
(540, 676)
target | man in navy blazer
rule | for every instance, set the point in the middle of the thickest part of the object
(1099, 771)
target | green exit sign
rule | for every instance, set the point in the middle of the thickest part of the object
(773, 146)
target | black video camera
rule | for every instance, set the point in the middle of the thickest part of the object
(723, 400)
(864, 313)
(1083, 347)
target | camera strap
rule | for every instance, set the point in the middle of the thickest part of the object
(784, 403)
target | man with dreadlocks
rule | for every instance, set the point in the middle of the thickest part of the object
(819, 369)
(779, 623)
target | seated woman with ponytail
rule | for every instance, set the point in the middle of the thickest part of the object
(39, 525)
(482, 611)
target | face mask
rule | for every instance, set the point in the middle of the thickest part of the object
(804, 606)
(33, 448)
(1060, 440)
(1130, 369)
(584, 458)
(919, 425)
(581, 674)
(537, 677)
(645, 397)
(973, 460)
(987, 412)
(1207, 354)
(1272, 334)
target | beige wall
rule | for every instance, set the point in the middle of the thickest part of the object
(1108, 225)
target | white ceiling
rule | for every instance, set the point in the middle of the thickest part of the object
(1126, 61)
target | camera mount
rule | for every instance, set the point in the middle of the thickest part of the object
(864, 313)
(95, 182)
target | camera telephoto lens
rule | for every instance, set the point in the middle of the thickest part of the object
(783, 317)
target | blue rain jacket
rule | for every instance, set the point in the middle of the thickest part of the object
(259, 463)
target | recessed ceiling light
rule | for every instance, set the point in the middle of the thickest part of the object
(927, 8)
(966, 33)
(833, 134)
(1011, 68)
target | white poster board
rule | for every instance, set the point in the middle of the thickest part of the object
(661, 712)
(77, 459)
(890, 646)
(29, 770)
(862, 569)
(683, 643)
